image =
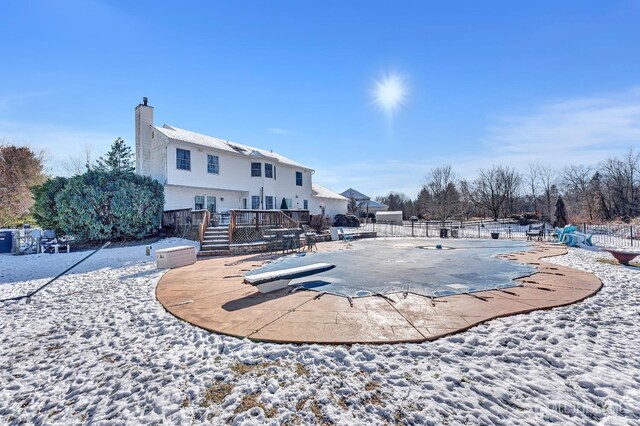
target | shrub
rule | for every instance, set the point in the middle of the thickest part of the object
(98, 206)
(318, 222)
(45, 208)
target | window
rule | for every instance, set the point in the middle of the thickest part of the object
(289, 202)
(211, 204)
(199, 201)
(183, 159)
(305, 204)
(255, 201)
(256, 169)
(268, 202)
(268, 170)
(213, 165)
(299, 178)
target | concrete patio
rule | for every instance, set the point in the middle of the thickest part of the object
(210, 294)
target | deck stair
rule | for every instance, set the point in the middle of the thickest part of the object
(215, 242)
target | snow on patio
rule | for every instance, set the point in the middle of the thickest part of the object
(96, 346)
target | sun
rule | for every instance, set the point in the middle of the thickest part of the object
(390, 92)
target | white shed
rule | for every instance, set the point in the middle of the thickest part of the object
(389, 217)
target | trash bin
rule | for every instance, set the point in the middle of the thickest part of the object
(495, 235)
(6, 240)
(454, 233)
(444, 232)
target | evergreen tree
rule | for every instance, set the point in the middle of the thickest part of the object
(99, 206)
(45, 208)
(119, 159)
(283, 205)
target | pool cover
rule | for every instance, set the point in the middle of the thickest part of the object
(413, 265)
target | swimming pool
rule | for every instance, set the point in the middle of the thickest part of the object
(410, 265)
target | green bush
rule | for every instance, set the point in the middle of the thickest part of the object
(98, 206)
(45, 209)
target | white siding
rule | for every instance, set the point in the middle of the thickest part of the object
(180, 197)
(235, 175)
(150, 146)
(158, 166)
(332, 206)
(156, 157)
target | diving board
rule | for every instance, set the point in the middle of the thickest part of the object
(267, 282)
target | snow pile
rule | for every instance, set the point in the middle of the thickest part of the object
(96, 346)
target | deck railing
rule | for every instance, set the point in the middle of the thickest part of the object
(300, 216)
(183, 222)
(206, 219)
(248, 226)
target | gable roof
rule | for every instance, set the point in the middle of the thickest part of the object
(322, 192)
(355, 194)
(181, 135)
(373, 204)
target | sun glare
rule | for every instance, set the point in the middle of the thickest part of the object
(389, 93)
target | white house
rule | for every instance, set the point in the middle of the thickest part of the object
(200, 171)
(327, 202)
(364, 203)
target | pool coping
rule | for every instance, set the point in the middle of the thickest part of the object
(210, 294)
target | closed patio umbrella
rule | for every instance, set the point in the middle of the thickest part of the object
(560, 214)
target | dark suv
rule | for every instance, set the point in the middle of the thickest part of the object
(348, 221)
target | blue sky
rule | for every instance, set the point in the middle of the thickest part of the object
(495, 82)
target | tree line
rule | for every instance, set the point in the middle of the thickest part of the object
(605, 192)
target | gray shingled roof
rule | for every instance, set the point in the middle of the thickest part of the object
(355, 194)
(187, 136)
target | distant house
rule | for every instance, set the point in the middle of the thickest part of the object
(329, 202)
(203, 172)
(363, 203)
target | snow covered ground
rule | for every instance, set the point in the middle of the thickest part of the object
(97, 347)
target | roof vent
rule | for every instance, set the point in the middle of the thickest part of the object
(145, 101)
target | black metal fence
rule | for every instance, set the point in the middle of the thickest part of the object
(602, 234)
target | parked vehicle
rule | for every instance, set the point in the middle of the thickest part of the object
(348, 221)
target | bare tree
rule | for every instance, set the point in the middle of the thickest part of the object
(532, 186)
(621, 183)
(512, 183)
(466, 198)
(547, 178)
(80, 163)
(445, 198)
(577, 180)
(490, 190)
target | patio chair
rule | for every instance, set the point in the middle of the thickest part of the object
(346, 237)
(271, 242)
(535, 231)
(290, 240)
(48, 241)
(310, 238)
